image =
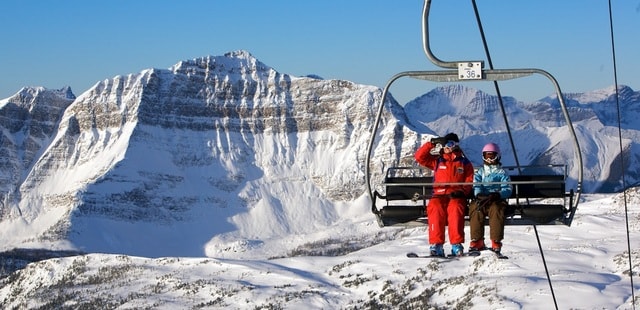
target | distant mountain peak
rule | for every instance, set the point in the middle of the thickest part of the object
(606, 94)
(33, 91)
(236, 62)
(29, 97)
(239, 54)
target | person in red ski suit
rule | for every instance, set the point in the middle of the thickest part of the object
(448, 204)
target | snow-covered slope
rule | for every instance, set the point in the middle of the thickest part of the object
(588, 268)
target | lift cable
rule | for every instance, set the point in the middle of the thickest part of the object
(495, 83)
(504, 115)
(622, 162)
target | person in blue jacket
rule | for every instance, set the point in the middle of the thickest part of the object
(491, 194)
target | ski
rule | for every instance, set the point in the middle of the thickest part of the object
(416, 255)
(497, 253)
(450, 256)
(457, 256)
(500, 255)
(474, 253)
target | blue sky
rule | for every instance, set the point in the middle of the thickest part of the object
(78, 43)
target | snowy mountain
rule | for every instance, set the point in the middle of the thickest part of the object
(224, 157)
(191, 153)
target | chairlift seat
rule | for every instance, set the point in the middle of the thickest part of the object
(406, 198)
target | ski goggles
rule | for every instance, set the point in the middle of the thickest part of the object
(451, 144)
(489, 155)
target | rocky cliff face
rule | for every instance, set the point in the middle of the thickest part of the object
(29, 120)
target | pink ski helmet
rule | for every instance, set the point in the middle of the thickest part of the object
(491, 147)
(491, 153)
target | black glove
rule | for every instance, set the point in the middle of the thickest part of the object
(482, 196)
(494, 196)
(458, 194)
(439, 140)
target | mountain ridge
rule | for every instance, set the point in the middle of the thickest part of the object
(235, 156)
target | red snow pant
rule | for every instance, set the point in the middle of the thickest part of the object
(443, 211)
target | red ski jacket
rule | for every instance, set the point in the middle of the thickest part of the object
(447, 167)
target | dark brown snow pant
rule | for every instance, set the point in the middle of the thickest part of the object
(495, 211)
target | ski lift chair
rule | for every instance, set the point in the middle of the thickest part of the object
(539, 198)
